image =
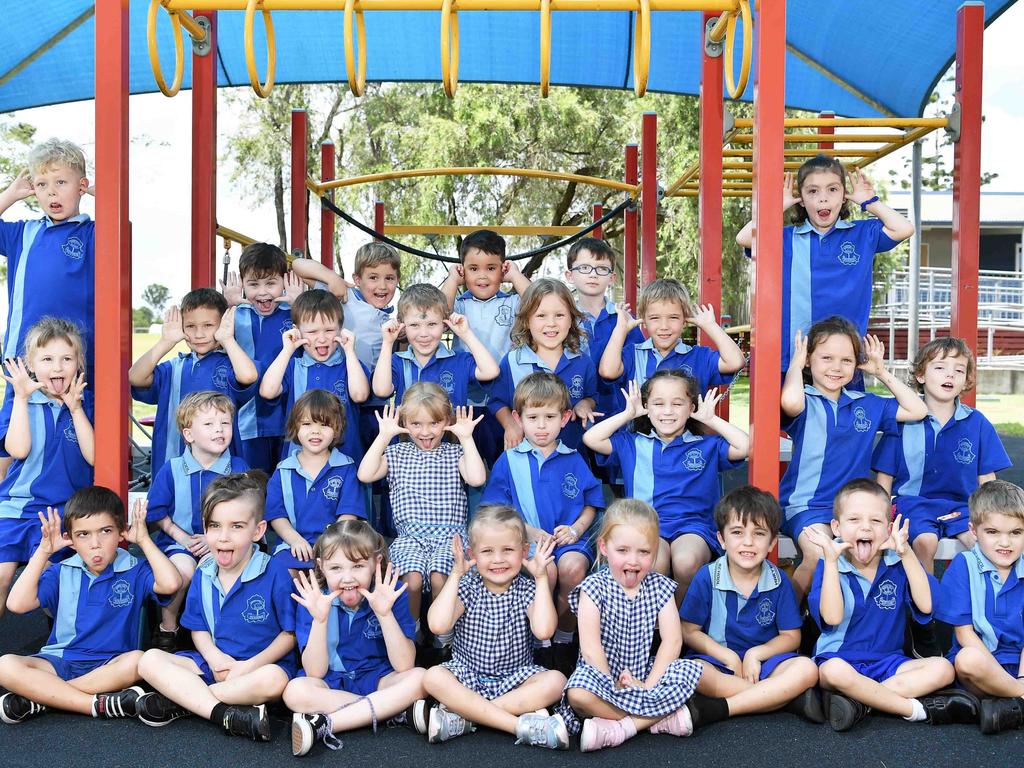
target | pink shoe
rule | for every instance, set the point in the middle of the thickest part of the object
(599, 733)
(679, 723)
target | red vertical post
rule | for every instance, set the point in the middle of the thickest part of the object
(769, 113)
(598, 212)
(378, 216)
(327, 166)
(300, 129)
(970, 29)
(204, 159)
(649, 198)
(629, 231)
(113, 281)
(830, 129)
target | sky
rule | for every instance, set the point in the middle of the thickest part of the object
(160, 184)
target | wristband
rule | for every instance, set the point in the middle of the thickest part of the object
(866, 203)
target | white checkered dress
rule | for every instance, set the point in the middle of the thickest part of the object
(627, 632)
(428, 497)
(492, 652)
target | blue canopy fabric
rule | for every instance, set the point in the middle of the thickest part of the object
(865, 59)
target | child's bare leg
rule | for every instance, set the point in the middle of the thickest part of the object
(540, 690)
(5, 465)
(892, 696)
(437, 580)
(663, 562)
(311, 694)
(7, 571)
(415, 592)
(967, 538)
(925, 547)
(347, 711)
(35, 679)
(572, 568)
(178, 678)
(979, 671)
(504, 716)
(919, 677)
(169, 613)
(714, 682)
(803, 575)
(689, 553)
(787, 681)
(263, 684)
(588, 705)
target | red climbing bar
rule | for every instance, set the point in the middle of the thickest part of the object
(629, 231)
(649, 199)
(598, 212)
(300, 130)
(831, 129)
(709, 195)
(378, 216)
(327, 166)
(204, 160)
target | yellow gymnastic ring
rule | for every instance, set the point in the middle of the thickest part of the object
(545, 47)
(642, 48)
(262, 90)
(449, 48)
(154, 53)
(736, 89)
(356, 76)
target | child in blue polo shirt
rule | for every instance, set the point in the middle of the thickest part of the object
(242, 618)
(668, 465)
(328, 361)
(316, 485)
(358, 654)
(828, 260)
(983, 599)
(215, 362)
(665, 309)
(553, 489)
(546, 336)
(48, 434)
(832, 428)
(263, 290)
(204, 421)
(741, 619)
(423, 316)
(96, 599)
(862, 588)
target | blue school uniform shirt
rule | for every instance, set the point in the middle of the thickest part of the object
(313, 503)
(177, 492)
(641, 361)
(832, 443)
(454, 372)
(180, 376)
(973, 593)
(935, 467)
(597, 330)
(355, 640)
(736, 621)
(247, 619)
(95, 617)
(260, 337)
(874, 613)
(491, 320)
(574, 368)
(54, 468)
(364, 320)
(548, 492)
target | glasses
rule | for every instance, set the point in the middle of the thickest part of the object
(586, 269)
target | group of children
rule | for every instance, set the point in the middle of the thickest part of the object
(556, 615)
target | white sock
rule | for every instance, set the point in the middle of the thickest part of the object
(161, 626)
(918, 715)
(541, 643)
(561, 636)
(440, 641)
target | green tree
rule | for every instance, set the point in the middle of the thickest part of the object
(156, 296)
(142, 318)
(16, 139)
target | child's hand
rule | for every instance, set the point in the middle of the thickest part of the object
(456, 275)
(626, 680)
(861, 187)
(459, 324)
(703, 317)
(706, 404)
(292, 340)
(51, 539)
(565, 535)
(197, 546)
(509, 270)
(20, 187)
(385, 591)
(513, 435)
(790, 194)
(221, 666)
(347, 341)
(464, 423)
(584, 411)
(72, 398)
(623, 318)
(391, 332)
(240, 668)
(232, 289)
(226, 329)
(543, 556)
(20, 378)
(798, 359)
(308, 594)
(137, 531)
(874, 356)
(460, 566)
(302, 550)
(387, 422)
(830, 548)
(293, 288)
(172, 331)
(899, 534)
(634, 402)
(733, 661)
(751, 669)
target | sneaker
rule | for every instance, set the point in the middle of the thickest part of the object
(15, 708)
(599, 733)
(808, 706)
(308, 729)
(923, 643)
(951, 706)
(156, 710)
(164, 640)
(444, 725)
(679, 723)
(120, 704)
(418, 713)
(996, 714)
(542, 731)
(844, 713)
(248, 721)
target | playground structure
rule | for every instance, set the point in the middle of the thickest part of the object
(757, 153)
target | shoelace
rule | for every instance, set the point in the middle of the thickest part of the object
(110, 705)
(536, 732)
(325, 732)
(455, 725)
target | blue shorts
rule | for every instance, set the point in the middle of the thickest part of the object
(926, 515)
(262, 452)
(362, 684)
(68, 669)
(19, 538)
(768, 666)
(284, 553)
(794, 526)
(580, 546)
(879, 669)
(675, 529)
(207, 674)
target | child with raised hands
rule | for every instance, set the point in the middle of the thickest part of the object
(356, 636)
(495, 610)
(832, 427)
(427, 479)
(423, 316)
(48, 434)
(868, 579)
(316, 485)
(90, 662)
(667, 464)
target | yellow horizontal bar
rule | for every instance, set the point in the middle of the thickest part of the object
(712, 6)
(725, 193)
(802, 152)
(446, 229)
(824, 138)
(191, 26)
(320, 187)
(235, 237)
(854, 122)
(748, 165)
(737, 330)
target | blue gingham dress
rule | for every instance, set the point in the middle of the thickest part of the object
(492, 651)
(627, 631)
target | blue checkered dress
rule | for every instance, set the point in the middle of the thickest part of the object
(627, 632)
(492, 652)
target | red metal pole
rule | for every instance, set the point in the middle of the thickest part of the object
(830, 129)
(327, 166)
(204, 160)
(300, 129)
(649, 199)
(769, 113)
(598, 212)
(378, 216)
(629, 231)
(970, 29)
(113, 281)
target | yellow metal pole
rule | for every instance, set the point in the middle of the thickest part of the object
(319, 188)
(711, 6)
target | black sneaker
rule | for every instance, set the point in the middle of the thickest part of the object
(248, 721)
(951, 706)
(923, 642)
(808, 706)
(308, 729)
(163, 640)
(156, 710)
(119, 704)
(844, 713)
(999, 714)
(14, 708)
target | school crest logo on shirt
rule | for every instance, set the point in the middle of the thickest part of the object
(221, 377)
(861, 422)
(687, 369)
(447, 380)
(372, 630)
(964, 452)
(504, 316)
(255, 610)
(576, 386)
(73, 248)
(341, 390)
(694, 461)
(886, 597)
(848, 254)
(120, 594)
(70, 435)
(765, 615)
(332, 487)
(570, 486)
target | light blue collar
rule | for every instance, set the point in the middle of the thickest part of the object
(804, 227)
(680, 348)
(196, 358)
(359, 297)
(608, 309)
(686, 437)
(257, 564)
(308, 361)
(221, 466)
(985, 565)
(468, 295)
(849, 394)
(335, 459)
(78, 219)
(721, 578)
(122, 562)
(526, 447)
(439, 354)
(526, 355)
(888, 558)
(38, 397)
